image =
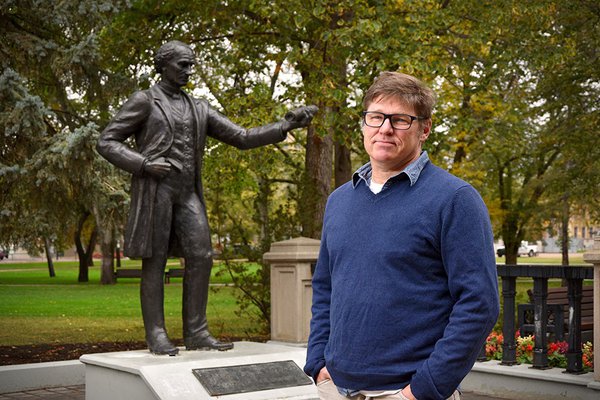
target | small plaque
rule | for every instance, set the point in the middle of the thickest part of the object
(233, 379)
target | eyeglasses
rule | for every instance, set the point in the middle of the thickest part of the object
(376, 119)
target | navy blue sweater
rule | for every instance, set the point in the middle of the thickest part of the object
(405, 289)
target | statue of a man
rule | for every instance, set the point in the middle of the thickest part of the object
(168, 214)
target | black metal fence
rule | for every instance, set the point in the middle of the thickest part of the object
(574, 276)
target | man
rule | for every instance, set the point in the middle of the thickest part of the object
(167, 214)
(405, 288)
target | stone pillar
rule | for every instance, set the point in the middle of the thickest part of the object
(291, 289)
(593, 257)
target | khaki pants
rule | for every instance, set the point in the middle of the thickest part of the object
(328, 391)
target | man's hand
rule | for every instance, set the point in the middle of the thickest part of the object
(158, 168)
(323, 374)
(298, 118)
(406, 392)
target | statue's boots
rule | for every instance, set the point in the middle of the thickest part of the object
(195, 299)
(152, 299)
(206, 343)
(159, 343)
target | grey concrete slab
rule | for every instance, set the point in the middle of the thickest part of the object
(487, 381)
(23, 377)
(170, 378)
(524, 382)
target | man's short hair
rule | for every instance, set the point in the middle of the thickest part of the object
(165, 53)
(403, 87)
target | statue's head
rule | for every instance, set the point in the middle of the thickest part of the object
(168, 51)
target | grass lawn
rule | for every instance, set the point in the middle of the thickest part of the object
(35, 308)
(554, 258)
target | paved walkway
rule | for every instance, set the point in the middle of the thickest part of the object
(67, 393)
(78, 393)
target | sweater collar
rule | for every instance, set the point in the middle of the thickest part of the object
(412, 171)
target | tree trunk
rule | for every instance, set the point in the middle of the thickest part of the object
(564, 235)
(343, 165)
(262, 206)
(511, 238)
(509, 221)
(330, 70)
(49, 258)
(84, 255)
(511, 247)
(118, 251)
(90, 247)
(107, 247)
(316, 183)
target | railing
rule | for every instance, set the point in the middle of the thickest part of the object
(574, 275)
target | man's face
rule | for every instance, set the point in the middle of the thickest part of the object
(179, 68)
(393, 148)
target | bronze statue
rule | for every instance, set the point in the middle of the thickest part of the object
(168, 214)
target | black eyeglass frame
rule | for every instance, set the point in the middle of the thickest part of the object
(388, 116)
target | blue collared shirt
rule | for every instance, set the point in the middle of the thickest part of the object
(412, 171)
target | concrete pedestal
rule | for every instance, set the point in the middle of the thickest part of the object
(140, 375)
(291, 288)
(593, 257)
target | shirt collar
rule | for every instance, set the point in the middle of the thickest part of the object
(412, 171)
(170, 91)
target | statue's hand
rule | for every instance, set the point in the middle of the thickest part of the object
(158, 168)
(300, 117)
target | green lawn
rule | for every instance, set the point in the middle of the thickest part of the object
(35, 308)
(555, 258)
(67, 272)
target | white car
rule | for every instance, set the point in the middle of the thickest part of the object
(526, 249)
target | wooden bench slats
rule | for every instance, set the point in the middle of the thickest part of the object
(128, 273)
(174, 273)
(137, 273)
(558, 296)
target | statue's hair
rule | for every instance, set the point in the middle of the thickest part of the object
(405, 88)
(165, 53)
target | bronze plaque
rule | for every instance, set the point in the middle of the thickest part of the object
(233, 379)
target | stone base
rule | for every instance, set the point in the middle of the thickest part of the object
(140, 375)
(523, 382)
(21, 377)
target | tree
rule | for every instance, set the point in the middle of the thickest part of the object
(569, 89)
(24, 218)
(68, 101)
(498, 129)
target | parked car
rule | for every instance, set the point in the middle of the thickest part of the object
(526, 249)
(3, 254)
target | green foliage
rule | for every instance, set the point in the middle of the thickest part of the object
(54, 93)
(505, 123)
(254, 296)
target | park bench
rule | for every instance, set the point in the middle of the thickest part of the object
(128, 273)
(173, 273)
(558, 313)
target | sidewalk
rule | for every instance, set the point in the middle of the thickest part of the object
(59, 393)
(78, 393)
